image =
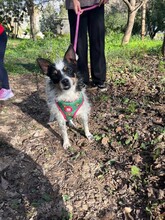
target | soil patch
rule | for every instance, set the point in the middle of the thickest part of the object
(118, 176)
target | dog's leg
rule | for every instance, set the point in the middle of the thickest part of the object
(52, 112)
(52, 117)
(63, 127)
(86, 127)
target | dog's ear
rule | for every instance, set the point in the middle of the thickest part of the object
(44, 64)
(70, 55)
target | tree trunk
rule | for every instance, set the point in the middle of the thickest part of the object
(30, 7)
(130, 24)
(32, 25)
(143, 30)
(133, 7)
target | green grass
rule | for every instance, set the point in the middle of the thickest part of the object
(136, 46)
(21, 54)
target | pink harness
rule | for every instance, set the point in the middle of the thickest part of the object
(78, 22)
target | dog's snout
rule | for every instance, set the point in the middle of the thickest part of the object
(65, 81)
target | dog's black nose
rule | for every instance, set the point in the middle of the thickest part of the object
(65, 82)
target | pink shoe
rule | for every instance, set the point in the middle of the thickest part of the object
(5, 94)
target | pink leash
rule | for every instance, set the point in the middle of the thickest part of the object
(78, 22)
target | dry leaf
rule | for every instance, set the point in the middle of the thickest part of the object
(127, 209)
(127, 215)
(137, 158)
(121, 116)
(105, 140)
(118, 129)
(158, 121)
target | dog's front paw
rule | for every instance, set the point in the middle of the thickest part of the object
(90, 137)
(66, 145)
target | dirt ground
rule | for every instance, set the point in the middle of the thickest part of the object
(118, 176)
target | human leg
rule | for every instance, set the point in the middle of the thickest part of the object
(4, 81)
(96, 29)
(82, 44)
(5, 91)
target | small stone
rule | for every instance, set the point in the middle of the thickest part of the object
(127, 209)
(85, 207)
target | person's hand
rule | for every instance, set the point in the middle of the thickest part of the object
(103, 2)
(77, 6)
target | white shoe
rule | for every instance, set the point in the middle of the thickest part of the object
(6, 94)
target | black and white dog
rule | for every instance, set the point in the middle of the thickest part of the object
(65, 92)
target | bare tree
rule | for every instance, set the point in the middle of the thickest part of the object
(143, 28)
(31, 7)
(133, 6)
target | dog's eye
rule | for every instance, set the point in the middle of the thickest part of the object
(69, 71)
(55, 72)
(65, 68)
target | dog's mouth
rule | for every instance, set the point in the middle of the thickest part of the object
(66, 87)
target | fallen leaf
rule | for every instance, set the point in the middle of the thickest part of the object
(158, 121)
(118, 129)
(137, 158)
(105, 140)
(121, 116)
(127, 215)
(127, 209)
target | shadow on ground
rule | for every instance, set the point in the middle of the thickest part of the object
(25, 192)
(36, 107)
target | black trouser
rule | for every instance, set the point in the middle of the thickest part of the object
(4, 82)
(91, 22)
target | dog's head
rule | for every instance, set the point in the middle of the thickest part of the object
(63, 73)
